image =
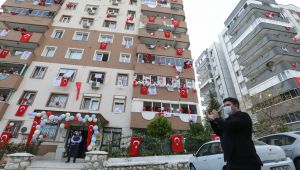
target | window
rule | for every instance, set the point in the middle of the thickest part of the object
(39, 72)
(131, 14)
(58, 100)
(110, 24)
(68, 73)
(133, 2)
(96, 77)
(27, 97)
(101, 56)
(147, 106)
(57, 34)
(49, 51)
(91, 9)
(15, 129)
(129, 26)
(122, 80)
(75, 54)
(111, 138)
(112, 12)
(106, 38)
(86, 22)
(203, 150)
(127, 42)
(82, 36)
(50, 131)
(65, 19)
(124, 58)
(119, 104)
(91, 102)
(149, 2)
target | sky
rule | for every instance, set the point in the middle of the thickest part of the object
(205, 20)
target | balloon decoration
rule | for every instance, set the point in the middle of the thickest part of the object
(43, 118)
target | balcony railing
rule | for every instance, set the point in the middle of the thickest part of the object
(14, 39)
(161, 51)
(163, 11)
(3, 108)
(29, 4)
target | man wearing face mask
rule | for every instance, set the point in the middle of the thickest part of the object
(236, 137)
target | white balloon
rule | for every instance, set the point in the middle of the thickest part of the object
(38, 127)
(90, 147)
(11, 124)
(38, 114)
(37, 132)
(62, 125)
(43, 112)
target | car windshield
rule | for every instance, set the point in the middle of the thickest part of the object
(257, 143)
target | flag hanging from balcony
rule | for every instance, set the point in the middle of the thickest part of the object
(36, 121)
(297, 80)
(269, 14)
(144, 90)
(129, 19)
(42, 3)
(188, 64)
(177, 144)
(183, 92)
(175, 23)
(64, 82)
(135, 143)
(167, 34)
(90, 133)
(103, 45)
(179, 51)
(5, 137)
(25, 37)
(78, 86)
(152, 19)
(22, 109)
(294, 65)
(4, 53)
(4, 32)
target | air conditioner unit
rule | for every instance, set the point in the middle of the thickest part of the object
(95, 85)
(86, 25)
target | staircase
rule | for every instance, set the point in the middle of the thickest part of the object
(56, 165)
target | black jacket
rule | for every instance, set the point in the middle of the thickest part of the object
(236, 139)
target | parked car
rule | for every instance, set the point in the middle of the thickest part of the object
(289, 142)
(210, 157)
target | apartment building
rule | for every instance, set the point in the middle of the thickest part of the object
(120, 60)
(261, 48)
(213, 75)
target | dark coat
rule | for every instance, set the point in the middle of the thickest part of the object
(236, 139)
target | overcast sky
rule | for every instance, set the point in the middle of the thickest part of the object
(205, 19)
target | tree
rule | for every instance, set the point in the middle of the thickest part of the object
(159, 127)
(213, 103)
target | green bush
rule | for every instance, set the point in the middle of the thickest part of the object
(159, 127)
(10, 148)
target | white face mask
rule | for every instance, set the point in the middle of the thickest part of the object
(227, 110)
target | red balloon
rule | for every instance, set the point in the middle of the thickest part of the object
(48, 113)
(67, 125)
(44, 136)
(75, 119)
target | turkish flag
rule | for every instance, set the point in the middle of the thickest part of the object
(90, 133)
(270, 14)
(4, 53)
(134, 84)
(167, 34)
(135, 143)
(103, 46)
(148, 58)
(22, 109)
(36, 121)
(78, 86)
(294, 65)
(176, 23)
(177, 144)
(5, 137)
(25, 37)
(214, 137)
(152, 19)
(64, 82)
(179, 51)
(42, 3)
(144, 90)
(297, 80)
(183, 93)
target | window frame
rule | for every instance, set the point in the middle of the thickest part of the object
(67, 55)
(123, 75)
(16, 133)
(24, 93)
(56, 131)
(63, 17)
(119, 97)
(92, 98)
(104, 52)
(61, 94)
(46, 51)
(96, 72)
(72, 78)
(124, 42)
(121, 59)
(129, 26)
(110, 22)
(35, 68)
(55, 31)
(111, 35)
(82, 32)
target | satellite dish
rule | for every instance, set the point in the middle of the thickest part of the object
(23, 129)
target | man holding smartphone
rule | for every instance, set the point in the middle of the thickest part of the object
(236, 136)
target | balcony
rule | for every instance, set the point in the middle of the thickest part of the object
(265, 44)
(163, 70)
(138, 121)
(163, 11)
(248, 13)
(30, 23)
(274, 56)
(164, 94)
(17, 59)
(10, 81)
(143, 49)
(261, 30)
(3, 108)
(13, 37)
(29, 5)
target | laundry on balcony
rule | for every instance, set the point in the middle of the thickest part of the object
(178, 69)
(152, 46)
(25, 55)
(4, 32)
(285, 49)
(152, 89)
(4, 53)
(25, 36)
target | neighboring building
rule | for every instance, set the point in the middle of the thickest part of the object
(111, 47)
(213, 75)
(262, 52)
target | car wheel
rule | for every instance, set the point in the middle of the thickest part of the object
(192, 167)
(297, 164)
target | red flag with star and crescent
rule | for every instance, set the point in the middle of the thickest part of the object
(64, 82)
(103, 46)
(22, 109)
(183, 92)
(167, 34)
(25, 37)
(177, 144)
(4, 53)
(36, 121)
(144, 90)
(135, 143)
(176, 23)
(90, 133)
(5, 137)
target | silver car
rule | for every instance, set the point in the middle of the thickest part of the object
(289, 142)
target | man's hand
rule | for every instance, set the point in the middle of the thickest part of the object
(212, 115)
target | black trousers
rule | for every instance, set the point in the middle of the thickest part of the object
(231, 166)
(73, 151)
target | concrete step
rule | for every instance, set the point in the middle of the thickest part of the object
(56, 165)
